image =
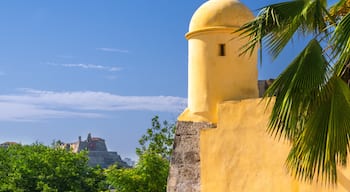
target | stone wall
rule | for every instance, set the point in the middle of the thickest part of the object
(263, 85)
(105, 159)
(184, 173)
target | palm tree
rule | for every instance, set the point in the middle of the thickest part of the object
(312, 103)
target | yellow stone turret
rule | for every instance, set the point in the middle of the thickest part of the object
(216, 72)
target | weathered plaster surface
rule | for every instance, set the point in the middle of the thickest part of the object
(236, 155)
(239, 155)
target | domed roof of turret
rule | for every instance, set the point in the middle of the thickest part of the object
(220, 13)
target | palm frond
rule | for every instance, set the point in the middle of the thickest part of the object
(295, 89)
(324, 141)
(341, 45)
(339, 9)
(276, 24)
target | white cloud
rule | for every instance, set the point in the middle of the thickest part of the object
(92, 66)
(88, 66)
(29, 112)
(36, 104)
(113, 50)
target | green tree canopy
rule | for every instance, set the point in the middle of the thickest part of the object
(158, 139)
(149, 175)
(40, 168)
(151, 171)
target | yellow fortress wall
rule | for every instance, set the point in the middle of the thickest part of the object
(221, 143)
(240, 156)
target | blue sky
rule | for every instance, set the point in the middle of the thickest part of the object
(68, 68)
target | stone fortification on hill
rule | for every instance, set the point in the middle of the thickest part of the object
(7, 144)
(97, 152)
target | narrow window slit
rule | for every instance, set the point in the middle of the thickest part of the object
(222, 50)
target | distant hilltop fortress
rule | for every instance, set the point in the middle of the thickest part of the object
(7, 144)
(97, 151)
